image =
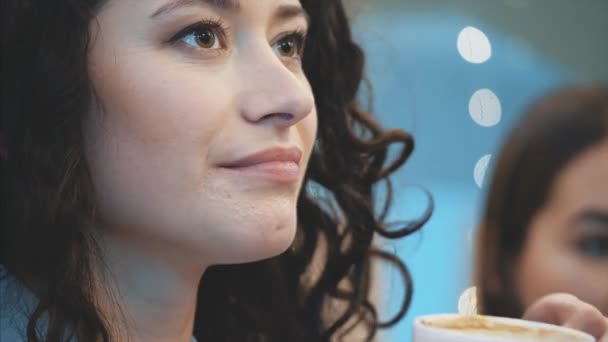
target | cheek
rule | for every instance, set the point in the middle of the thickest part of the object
(156, 107)
(591, 284)
(149, 141)
(549, 265)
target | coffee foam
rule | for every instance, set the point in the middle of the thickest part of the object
(486, 326)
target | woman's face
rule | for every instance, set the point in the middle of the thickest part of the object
(567, 246)
(203, 124)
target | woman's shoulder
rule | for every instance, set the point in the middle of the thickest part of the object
(16, 303)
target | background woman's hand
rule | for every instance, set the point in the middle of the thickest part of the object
(568, 311)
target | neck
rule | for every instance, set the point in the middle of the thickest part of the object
(150, 288)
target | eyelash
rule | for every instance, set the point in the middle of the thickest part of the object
(299, 35)
(595, 246)
(221, 30)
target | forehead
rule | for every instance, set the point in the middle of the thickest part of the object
(155, 5)
(583, 182)
(145, 15)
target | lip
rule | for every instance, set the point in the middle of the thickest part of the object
(279, 165)
(271, 155)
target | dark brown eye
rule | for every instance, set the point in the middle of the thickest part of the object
(205, 38)
(206, 35)
(290, 46)
(594, 246)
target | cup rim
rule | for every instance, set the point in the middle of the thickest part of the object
(507, 320)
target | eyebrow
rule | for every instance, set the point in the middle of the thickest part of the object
(286, 12)
(594, 217)
(228, 5)
(282, 13)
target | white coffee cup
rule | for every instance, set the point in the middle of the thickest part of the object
(459, 328)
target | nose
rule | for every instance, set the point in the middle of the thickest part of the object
(271, 92)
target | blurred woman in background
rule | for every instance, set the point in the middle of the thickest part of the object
(545, 224)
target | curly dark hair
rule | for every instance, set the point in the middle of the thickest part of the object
(552, 132)
(46, 207)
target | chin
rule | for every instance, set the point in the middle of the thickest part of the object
(239, 243)
(275, 239)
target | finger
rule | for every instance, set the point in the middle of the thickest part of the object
(568, 311)
(605, 337)
(588, 319)
(552, 309)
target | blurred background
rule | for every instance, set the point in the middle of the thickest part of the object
(456, 74)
